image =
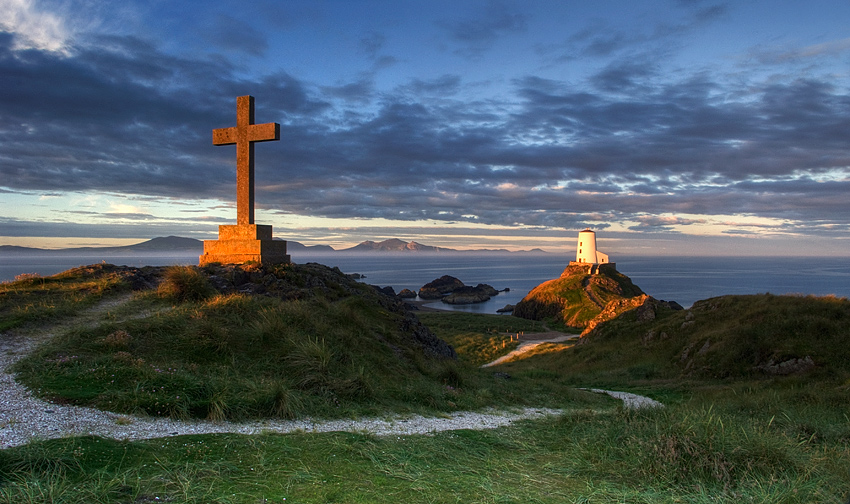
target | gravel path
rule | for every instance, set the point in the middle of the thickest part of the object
(531, 342)
(24, 418)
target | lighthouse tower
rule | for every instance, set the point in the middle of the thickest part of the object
(586, 249)
(588, 259)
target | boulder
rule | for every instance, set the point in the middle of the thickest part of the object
(406, 294)
(388, 290)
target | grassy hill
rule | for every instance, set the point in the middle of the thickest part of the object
(231, 342)
(755, 391)
(577, 297)
(724, 338)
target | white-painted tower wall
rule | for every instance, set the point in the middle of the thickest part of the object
(586, 247)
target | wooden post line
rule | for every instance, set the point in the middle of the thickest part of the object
(244, 134)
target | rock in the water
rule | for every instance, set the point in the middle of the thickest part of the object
(507, 309)
(470, 295)
(440, 287)
(406, 294)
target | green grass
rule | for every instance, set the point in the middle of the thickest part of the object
(724, 338)
(692, 452)
(728, 433)
(188, 353)
(33, 298)
(478, 338)
(236, 356)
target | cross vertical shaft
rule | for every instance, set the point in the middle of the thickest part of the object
(244, 134)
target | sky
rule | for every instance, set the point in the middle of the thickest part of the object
(670, 127)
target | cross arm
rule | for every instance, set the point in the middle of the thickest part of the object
(224, 136)
(263, 132)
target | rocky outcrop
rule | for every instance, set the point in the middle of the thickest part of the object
(787, 367)
(430, 343)
(440, 287)
(452, 291)
(578, 297)
(406, 294)
(644, 307)
(470, 295)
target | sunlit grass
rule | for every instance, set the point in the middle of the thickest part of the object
(33, 298)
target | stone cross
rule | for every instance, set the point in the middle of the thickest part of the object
(244, 134)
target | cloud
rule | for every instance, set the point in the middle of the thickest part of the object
(478, 32)
(780, 56)
(236, 35)
(444, 85)
(546, 152)
(32, 27)
(372, 43)
(662, 223)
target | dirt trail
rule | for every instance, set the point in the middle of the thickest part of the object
(529, 342)
(590, 295)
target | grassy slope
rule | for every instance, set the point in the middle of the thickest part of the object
(727, 337)
(479, 338)
(33, 298)
(748, 439)
(196, 353)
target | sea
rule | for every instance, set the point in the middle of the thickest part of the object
(681, 279)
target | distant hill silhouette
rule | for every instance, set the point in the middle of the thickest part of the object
(396, 245)
(177, 244)
(161, 244)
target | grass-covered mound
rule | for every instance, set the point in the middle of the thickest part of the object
(243, 342)
(577, 297)
(727, 337)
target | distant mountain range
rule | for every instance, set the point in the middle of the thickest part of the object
(177, 244)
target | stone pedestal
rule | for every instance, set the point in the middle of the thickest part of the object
(242, 243)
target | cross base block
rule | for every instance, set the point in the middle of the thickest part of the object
(243, 243)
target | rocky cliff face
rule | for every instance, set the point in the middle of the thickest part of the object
(582, 300)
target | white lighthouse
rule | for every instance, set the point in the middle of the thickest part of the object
(586, 252)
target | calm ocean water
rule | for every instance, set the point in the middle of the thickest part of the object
(681, 279)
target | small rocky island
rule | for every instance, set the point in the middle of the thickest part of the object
(451, 290)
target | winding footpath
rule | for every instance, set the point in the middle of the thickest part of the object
(531, 341)
(24, 418)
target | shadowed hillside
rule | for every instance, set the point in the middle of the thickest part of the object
(755, 336)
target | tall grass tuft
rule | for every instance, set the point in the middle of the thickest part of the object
(185, 283)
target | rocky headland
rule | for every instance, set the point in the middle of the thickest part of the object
(584, 297)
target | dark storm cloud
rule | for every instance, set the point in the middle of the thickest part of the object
(121, 116)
